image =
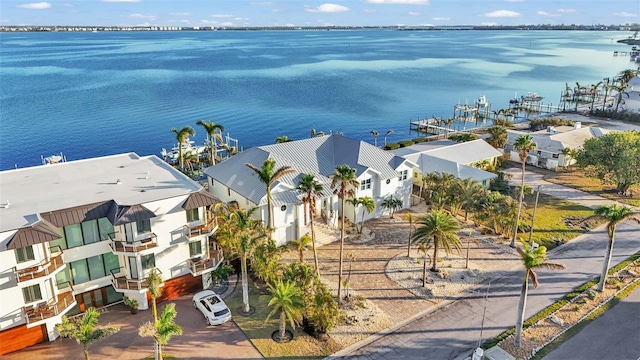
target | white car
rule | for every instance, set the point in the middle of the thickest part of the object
(215, 311)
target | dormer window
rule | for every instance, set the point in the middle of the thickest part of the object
(193, 215)
(402, 175)
(365, 184)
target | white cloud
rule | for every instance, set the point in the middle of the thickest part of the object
(408, 2)
(180, 14)
(566, 11)
(414, 13)
(121, 0)
(440, 18)
(221, 16)
(625, 14)
(514, 1)
(502, 14)
(209, 22)
(262, 3)
(143, 16)
(35, 6)
(544, 13)
(327, 8)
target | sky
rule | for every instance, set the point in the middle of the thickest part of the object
(229, 13)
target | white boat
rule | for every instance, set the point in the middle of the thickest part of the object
(531, 97)
(482, 102)
(188, 147)
(53, 159)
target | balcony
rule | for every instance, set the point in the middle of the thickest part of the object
(120, 246)
(45, 268)
(122, 283)
(202, 266)
(202, 229)
(47, 309)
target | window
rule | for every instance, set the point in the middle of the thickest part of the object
(80, 271)
(193, 215)
(90, 232)
(105, 227)
(365, 184)
(24, 254)
(73, 234)
(143, 226)
(96, 267)
(32, 293)
(195, 248)
(283, 208)
(110, 262)
(402, 175)
(555, 156)
(63, 277)
(415, 175)
(148, 261)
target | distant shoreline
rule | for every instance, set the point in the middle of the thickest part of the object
(94, 28)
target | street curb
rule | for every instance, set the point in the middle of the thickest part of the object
(390, 330)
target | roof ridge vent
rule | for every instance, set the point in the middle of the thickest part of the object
(5, 206)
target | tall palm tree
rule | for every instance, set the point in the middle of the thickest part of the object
(607, 87)
(304, 243)
(311, 189)
(594, 93)
(268, 174)
(392, 205)
(212, 130)
(86, 330)
(354, 202)
(498, 138)
(286, 298)
(569, 154)
(628, 74)
(154, 282)
(375, 137)
(344, 181)
(621, 91)
(182, 136)
(368, 205)
(447, 125)
(524, 145)
(438, 229)
(470, 193)
(533, 258)
(163, 329)
(409, 218)
(614, 214)
(240, 234)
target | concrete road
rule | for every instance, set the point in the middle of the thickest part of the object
(614, 335)
(454, 331)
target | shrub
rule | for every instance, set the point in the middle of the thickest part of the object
(420, 140)
(392, 146)
(405, 143)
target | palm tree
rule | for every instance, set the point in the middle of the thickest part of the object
(498, 138)
(470, 193)
(594, 93)
(607, 87)
(368, 205)
(286, 299)
(355, 202)
(524, 145)
(311, 189)
(375, 137)
(86, 330)
(182, 136)
(154, 283)
(621, 90)
(628, 74)
(439, 228)
(392, 205)
(409, 218)
(389, 132)
(533, 258)
(613, 214)
(163, 329)
(569, 154)
(268, 175)
(344, 181)
(212, 134)
(240, 235)
(422, 248)
(304, 243)
(447, 123)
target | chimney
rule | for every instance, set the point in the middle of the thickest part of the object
(577, 125)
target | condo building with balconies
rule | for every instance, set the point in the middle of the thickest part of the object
(88, 232)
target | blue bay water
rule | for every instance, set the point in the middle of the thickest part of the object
(93, 94)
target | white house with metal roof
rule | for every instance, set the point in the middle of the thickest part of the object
(86, 233)
(457, 159)
(381, 175)
(550, 142)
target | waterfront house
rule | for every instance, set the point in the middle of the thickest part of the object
(550, 143)
(458, 159)
(86, 233)
(381, 175)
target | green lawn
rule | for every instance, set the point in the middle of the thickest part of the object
(302, 346)
(553, 217)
